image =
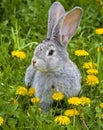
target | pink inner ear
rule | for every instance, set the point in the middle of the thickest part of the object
(65, 34)
(69, 25)
(68, 28)
(64, 39)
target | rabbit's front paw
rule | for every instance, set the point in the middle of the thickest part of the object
(44, 106)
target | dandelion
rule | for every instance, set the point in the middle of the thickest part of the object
(35, 100)
(71, 112)
(101, 105)
(74, 101)
(39, 109)
(102, 115)
(89, 65)
(92, 71)
(62, 120)
(92, 80)
(31, 91)
(81, 53)
(18, 54)
(1, 74)
(21, 91)
(99, 31)
(98, 49)
(85, 100)
(13, 100)
(98, 0)
(58, 96)
(1, 120)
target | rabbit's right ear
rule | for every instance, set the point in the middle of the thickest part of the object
(67, 26)
(55, 12)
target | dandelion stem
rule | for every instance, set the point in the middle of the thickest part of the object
(30, 44)
(74, 123)
(84, 123)
(98, 59)
(91, 91)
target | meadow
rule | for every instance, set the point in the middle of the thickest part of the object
(23, 25)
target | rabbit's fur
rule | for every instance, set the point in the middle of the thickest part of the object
(51, 68)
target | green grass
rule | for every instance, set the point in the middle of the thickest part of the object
(23, 24)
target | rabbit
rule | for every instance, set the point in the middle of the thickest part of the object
(51, 69)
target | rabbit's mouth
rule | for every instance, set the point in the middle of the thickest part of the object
(46, 70)
(45, 67)
(39, 65)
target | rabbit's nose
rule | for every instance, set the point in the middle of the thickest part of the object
(33, 62)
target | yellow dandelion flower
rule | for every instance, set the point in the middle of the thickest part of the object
(58, 96)
(92, 80)
(92, 71)
(31, 91)
(74, 101)
(35, 100)
(39, 109)
(98, 0)
(99, 31)
(81, 53)
(101, 105)
(62, 120)
(89, 65)
(85, 100)
(71, 112)
(18, 54)
(102, 115)
(21, 91)
(1, 74)
(1, 120)
(13, 100)
(98, 49)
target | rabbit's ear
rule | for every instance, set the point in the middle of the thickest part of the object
(55, 12)
(67, 26)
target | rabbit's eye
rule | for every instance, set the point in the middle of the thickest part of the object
(40, 49)
(51, 52)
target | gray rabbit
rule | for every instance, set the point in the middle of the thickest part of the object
(51, 68)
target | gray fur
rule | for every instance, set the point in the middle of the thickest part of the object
(55, 12)
(49, 73)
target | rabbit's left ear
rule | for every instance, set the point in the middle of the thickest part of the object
(55, 12)
(67, 26)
